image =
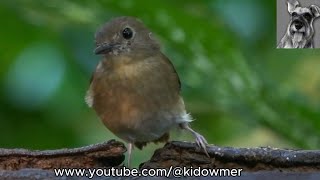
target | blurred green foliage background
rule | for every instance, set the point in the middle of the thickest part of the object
(240, 89)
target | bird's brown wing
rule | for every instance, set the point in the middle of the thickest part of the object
(165, 137)
(166, 60)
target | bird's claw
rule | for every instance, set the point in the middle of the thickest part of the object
(202, 142)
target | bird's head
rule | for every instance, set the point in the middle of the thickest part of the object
(124, 35)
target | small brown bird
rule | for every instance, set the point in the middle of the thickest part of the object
(135, 89)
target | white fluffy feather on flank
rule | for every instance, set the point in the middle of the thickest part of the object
(186, 117)
(89, 98)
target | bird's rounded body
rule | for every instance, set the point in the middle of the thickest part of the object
(137, 99)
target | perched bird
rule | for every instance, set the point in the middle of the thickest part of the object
(135, 89)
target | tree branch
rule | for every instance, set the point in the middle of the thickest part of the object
(250, 159)
(106, 154)
(255, 162)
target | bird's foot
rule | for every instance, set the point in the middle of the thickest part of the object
(201, 142)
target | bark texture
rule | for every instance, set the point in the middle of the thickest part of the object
(106, 154)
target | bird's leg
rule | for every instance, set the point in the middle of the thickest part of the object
(130, 147)
(200, 140)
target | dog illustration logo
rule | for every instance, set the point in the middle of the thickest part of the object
(300, 32)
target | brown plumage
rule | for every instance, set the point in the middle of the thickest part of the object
(135, 89)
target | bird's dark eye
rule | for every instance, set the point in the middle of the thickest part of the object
(294, 14)
(127, 33)
(307, 16)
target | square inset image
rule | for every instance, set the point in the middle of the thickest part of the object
(297, 24)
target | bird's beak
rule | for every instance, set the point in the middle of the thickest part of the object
(103, 48)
